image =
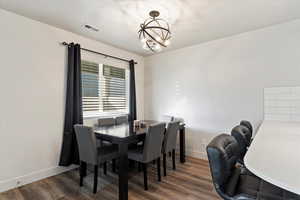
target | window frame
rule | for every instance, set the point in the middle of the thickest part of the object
(101, 114)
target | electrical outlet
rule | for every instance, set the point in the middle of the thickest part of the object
(203, 145)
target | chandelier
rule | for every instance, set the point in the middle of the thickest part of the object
(154, 33)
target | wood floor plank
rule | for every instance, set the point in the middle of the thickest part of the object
(190, 181)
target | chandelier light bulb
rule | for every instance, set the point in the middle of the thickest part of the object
(145, 47)
(143, 40)
(158, 39)
(158, 49)
(167, 42)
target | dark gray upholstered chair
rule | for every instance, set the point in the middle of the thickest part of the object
(230, 181)
(248, 125)
(167, 118)
(169, 144)
(110, 121)
(89, 153)
(106, 121)
(151, 150)
(122, 119)
(243, 137)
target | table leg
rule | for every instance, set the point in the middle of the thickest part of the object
(123, 172)
(182, 144)
(83, 168)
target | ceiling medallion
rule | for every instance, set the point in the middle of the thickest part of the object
(154, 33)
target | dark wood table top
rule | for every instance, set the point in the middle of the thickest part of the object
(124, 131)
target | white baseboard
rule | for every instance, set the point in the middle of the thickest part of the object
(196, 154)
(32, 177)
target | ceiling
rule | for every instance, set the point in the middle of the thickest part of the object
(192, 21)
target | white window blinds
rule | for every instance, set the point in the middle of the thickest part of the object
(104, 88)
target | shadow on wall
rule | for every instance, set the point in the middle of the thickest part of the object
(197, 140)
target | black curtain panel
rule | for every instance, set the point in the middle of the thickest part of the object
(73, 111)
(132, 92)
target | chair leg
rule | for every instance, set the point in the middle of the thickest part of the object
(105, 168)
(131, 164)
(113, 166)
(139, 167)
(145, 176)
(165, 164)
(81, 173)
(173, 159)
(158, 169)
(170, 154)
(95, 179)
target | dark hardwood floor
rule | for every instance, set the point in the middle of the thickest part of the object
(190, 181)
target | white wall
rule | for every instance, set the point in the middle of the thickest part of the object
(32, 85)
(216, 84)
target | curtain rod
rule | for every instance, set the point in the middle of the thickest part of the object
(102, 54)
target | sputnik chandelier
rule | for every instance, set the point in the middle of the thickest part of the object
(154, 33)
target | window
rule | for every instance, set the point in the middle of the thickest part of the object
(104, 89)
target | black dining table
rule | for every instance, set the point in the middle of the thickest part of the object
(125, 134)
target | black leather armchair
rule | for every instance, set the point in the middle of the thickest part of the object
(232, 182)
(248, 125)
(243, 137)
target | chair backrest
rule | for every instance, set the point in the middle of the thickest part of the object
(248, 125)
(87, 145)
(153, 142)
(167, 118)
(241, 134)
(106, 121)
(170, 137)
(222, 156)
(122, 119)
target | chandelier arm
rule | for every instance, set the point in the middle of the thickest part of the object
(158, 27)
(154, 32)
(161, 30)
(167, 36)
(154, 39)
(151, 20)
(144, 34)
(150, 47)
(168, 33)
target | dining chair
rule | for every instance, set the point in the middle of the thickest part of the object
(89, 153)
(247, 124)
(243, 137)
(169, 143)
(151, 150)
(167, 118)
(106, 121)
(122, 119)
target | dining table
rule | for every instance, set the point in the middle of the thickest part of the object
(125, 134)
(274, 154)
